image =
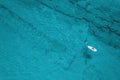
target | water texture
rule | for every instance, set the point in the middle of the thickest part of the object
(48, 39)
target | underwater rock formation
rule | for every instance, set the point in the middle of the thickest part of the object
(102, 16)
(48, 39)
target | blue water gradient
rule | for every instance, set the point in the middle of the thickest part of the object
(49, 39)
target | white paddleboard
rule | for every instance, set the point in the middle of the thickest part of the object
(92, 48)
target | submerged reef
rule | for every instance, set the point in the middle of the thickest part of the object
(49, 39)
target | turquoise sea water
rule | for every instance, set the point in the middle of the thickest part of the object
(48, 39)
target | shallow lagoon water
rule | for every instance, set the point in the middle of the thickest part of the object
(48, 39)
